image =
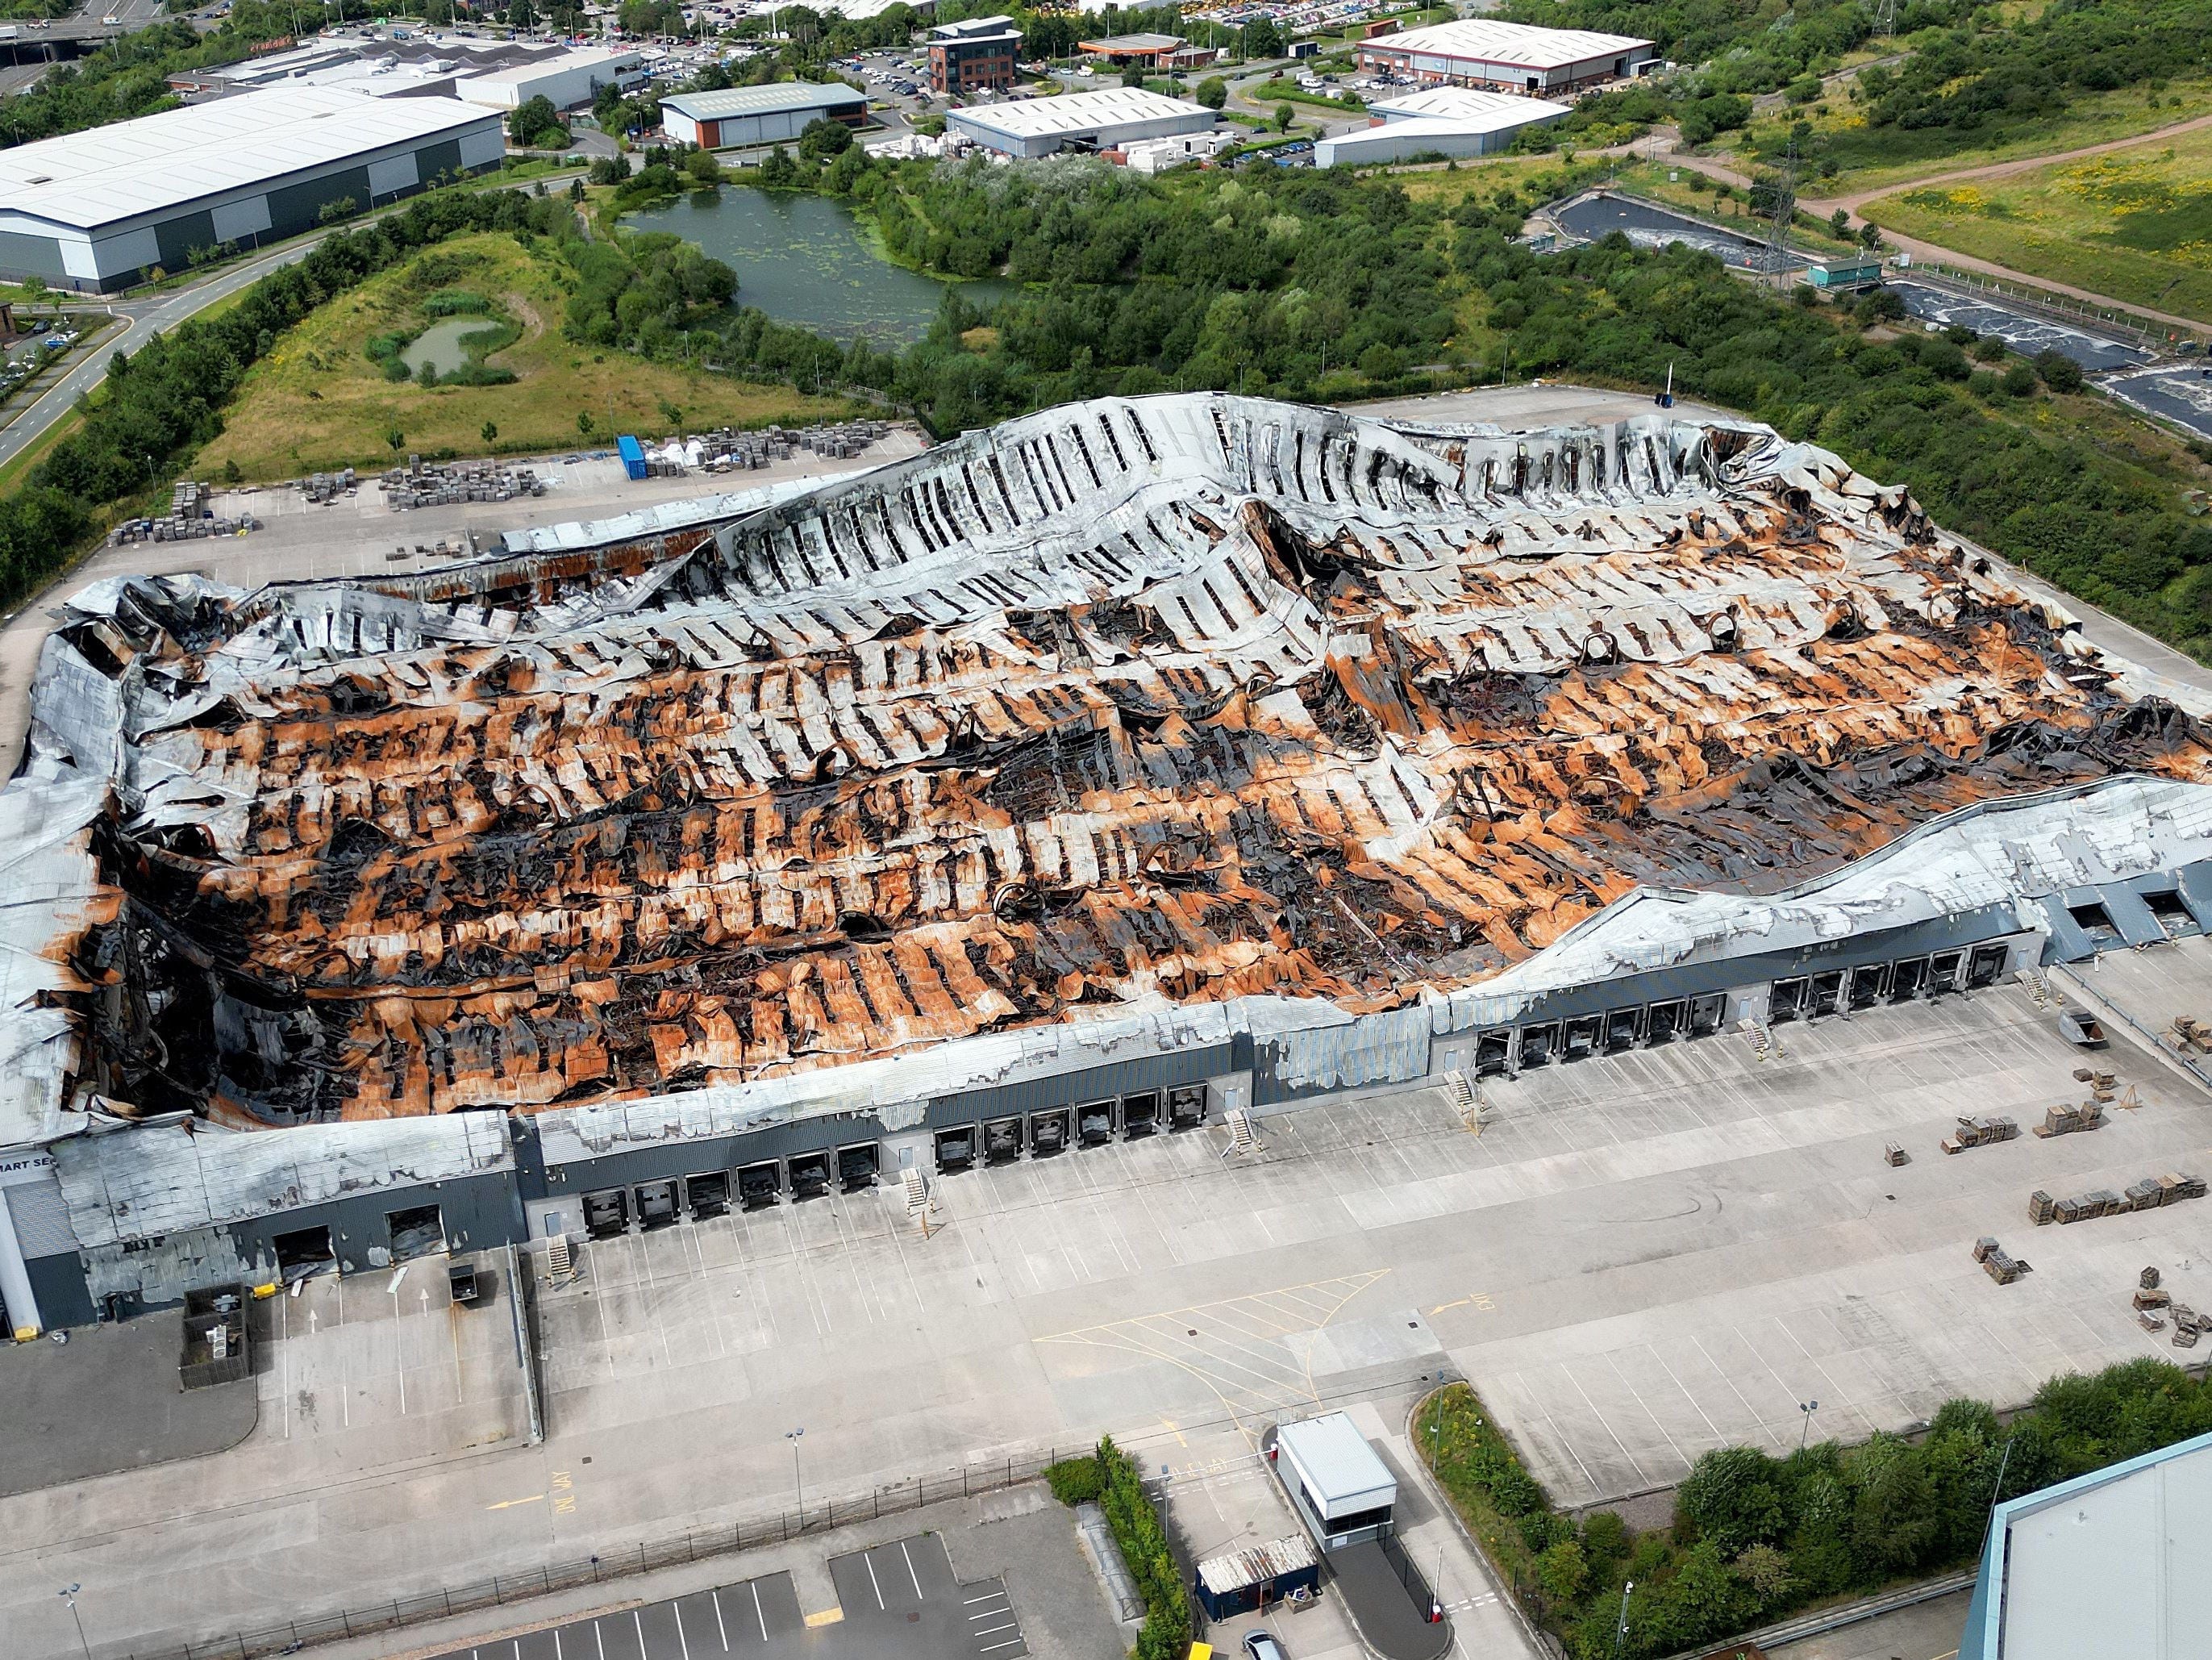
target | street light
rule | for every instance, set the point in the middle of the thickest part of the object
(1809, 1408)
(798, 1485)
(1620, 1631)
(68, 1594)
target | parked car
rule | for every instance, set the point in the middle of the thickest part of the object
(1261, 1645)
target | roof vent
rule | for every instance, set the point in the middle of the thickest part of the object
(39, 179)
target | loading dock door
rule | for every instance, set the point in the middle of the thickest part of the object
(708, 1196)
(606, 1214)
(1139, 1114)
(419, 1230)
(1094, 1124)
(1908, 979)
(758, 1185)
(1663, 1024)
(1187, 1107)
(1869, 985)
(1581, 1038)
(1988, 963)
(955, 1149)
(302, 1251)
(1537, 1044)
(1492, 1053)
(857, 1165)
(809, 1173)
(1786, 1002)
(1048, 1133)
(1623, 1027)
(1706, 1013)
(1943, 971)
(1002, 1140)
(656, 1205)
(1827, 991)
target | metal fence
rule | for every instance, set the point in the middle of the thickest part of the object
(692, 1546)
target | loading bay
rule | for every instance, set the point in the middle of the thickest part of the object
(896, 1601)
(1637, 1257)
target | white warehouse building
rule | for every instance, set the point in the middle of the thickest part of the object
(1485, 51)
(568, 78)
(743, 116)
(1451, 121)
(1102, 120)
(97, 210)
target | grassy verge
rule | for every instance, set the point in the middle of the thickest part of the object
(318, 400)
(2135, 223)
(1289, 92)
(1871, 158)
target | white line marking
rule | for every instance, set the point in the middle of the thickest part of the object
(992, 1631)
(682, 1641)
(910, 1573)
(874, 1584)
(986, 1596)
(637, 1619)
(600, 1638)
(556, 1643)
(757, 1614)
(1010, 1643)
(718, 1625)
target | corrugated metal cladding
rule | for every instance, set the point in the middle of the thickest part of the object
(659, 1161)
(1071, 1088)
(41, 1219)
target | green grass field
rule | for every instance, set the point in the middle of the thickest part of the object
(1871, 158)
(317, 402)
(2134, 223)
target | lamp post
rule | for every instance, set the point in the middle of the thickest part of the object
(797, 1486)
(1809, 1408)
(1620, 1629)
(68, 1594)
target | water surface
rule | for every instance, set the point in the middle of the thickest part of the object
(439, 345)
(808, 260)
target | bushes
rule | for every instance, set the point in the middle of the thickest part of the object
(1757, 1537)
(1075, 1481)
(1143, 1546)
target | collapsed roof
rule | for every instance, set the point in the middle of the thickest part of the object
(1124, 706)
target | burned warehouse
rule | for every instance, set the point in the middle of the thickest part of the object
(1102, 774)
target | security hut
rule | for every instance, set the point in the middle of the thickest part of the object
(1343, 1492)
(1245, 1581)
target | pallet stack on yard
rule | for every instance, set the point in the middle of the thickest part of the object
(435, 485)
(2189, 1034)
(2000, 1264)
(189, 519)
(1979, 1132)
(2068, 1121)
(2148, 1194)
(2154, 1306)
(726, 447)
(324, 488)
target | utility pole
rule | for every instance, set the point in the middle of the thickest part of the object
(1809, 1408)
(1785, 208)
(68, 1595)
(1621, 1630)
(797, 1486)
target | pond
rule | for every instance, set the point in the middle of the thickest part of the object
(439, 345)
(806, 259)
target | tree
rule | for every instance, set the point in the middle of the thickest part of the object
(1870, 235)
(396, 441)
(2019, 379)
(822, 138)
(521, 15)
(1284, 116)
(700, 165)
(426, 373)
(1262, 38)
(1839, 221)
(490, 433)
(583, 422)
(778, 171)
(536, 124)
(1733, 1496)
(1562, 1572)
(1133, 76)
(2060, 373)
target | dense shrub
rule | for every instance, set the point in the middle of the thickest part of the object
(1145, 1551)
(1075, 1481)
(1756, 1537)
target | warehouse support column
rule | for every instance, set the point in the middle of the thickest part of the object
(15, 1293)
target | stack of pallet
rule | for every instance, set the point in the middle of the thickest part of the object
(324, 488)
(2147, 1194)
(1979, 1132)
(2190, 1034)
(2066, 1121)
(1999, 1263)
(2103, 1086)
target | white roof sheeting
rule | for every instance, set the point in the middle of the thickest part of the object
(161, 162)
(1485, 39)
(1255, 1564)
(1466, 109)
(776, 99)
(1341, 1470)
(536, 68)
(1078, 112)
(168, 1179)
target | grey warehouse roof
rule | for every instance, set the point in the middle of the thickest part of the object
(763, 101)
(1078, 112)
(1337, 1460)
(133, 169)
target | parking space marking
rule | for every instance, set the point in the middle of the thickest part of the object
(758, 1614)
(911, 1574)
(720, 1627)
(874, 1584)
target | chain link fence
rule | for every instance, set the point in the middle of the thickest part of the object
(694, 1545)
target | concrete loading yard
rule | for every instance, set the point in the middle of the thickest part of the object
(1640, 735)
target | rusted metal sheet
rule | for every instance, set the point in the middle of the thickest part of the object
(1125, 704)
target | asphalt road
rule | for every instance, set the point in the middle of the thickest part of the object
(144, 317)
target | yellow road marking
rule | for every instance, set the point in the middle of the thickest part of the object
(1175, 1432)
(827, 1617)
(509, 1504)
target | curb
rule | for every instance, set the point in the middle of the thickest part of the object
(1503, 1584)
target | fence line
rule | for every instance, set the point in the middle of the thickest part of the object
(694, 1545)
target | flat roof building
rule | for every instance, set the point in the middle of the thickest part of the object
(970, 55)
(1105, 119)
(505, 73)
(1482, 51)
(1343, 1492)
(97, 210)
(1443, 120)
(566, 78)
(2112, 1562)
(1156, 49)
(740, 117)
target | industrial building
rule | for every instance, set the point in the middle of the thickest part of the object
(2109, 1563)
(739, 116)
(1343, 1492)
(1154, 52)
(504, 74)
(1105, 119)
(973, 56)
(1482, 52)
(1098, 776)
(98, 210)
(1449, 121)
